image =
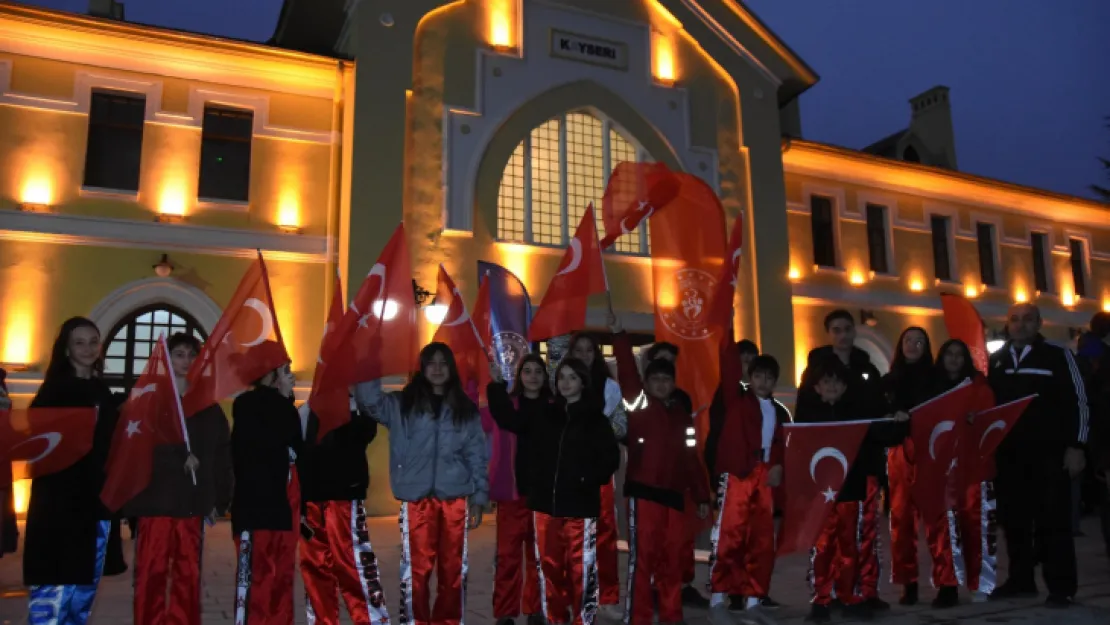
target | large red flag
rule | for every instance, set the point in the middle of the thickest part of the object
(811, 481)
(48, 439)
(720, 311)
(459, 332)
(333, 407)
(221, 369)
(581, 274)
(688, 251)
(634, 192)
(963, 322)
(936, 428)
(151, 416)
(985, 433)
(377, 336)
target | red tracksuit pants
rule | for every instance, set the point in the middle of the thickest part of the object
(514, 564)
(742, 555)
(265, 567)
(167, 563)
(846, 554)
(608, 561)
(339, 561)
(979, 539)
(693, 528)
(433, 536)
(656, 540)
(567, 552)
(905, 520)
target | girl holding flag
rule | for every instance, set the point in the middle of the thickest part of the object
(67, 526)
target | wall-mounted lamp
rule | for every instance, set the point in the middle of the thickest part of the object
(34, 207)
(867, 318)
(289, 229)
(419, 293)
(169, 218)
(163, 268)
(14, 367)
(916, 285)
(435, 313)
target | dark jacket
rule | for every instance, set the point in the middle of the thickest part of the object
(571, 448)
(905, 389)
(335, 469)
(1058, 418)
(60, 544)
(267, 428)
(171, 492)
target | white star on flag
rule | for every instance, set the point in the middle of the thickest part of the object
(829, 494)
(132, 428)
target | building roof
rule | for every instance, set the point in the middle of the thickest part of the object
(887, 147)
(310, 26)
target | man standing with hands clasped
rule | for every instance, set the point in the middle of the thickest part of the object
(1038, 458)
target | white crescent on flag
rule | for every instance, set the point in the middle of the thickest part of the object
(827, 452)
(575, 257)
(52, 439)
(463, 317)
(941, 428)
(997, 425)
(264, 315)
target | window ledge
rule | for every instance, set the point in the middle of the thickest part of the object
(885, 276)
(452, 233)
(949, 283)
(223, 205)
(109, 194)
(834, 271)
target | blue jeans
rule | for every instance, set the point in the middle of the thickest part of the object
(70, 604)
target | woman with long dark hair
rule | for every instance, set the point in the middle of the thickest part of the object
(572, 452)
(439, 470)
(585, 348)
(908, 384)
(67, 526)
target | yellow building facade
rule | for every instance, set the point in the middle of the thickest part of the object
(487, 127)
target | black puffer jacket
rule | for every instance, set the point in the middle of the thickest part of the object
(571, 449)
(335, 469)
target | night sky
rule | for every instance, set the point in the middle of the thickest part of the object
(1030, 79)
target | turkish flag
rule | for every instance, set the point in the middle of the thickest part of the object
(720, 311)
(332, 407)
(458, 331)
(963, 322)
(151, 416)
(222, 368)
(634, 192)
(48, 439)
(482, 317)
(688, 252)
(377, 337)
(818, 457)
(985, 433)
(581, 274)
(937, 427)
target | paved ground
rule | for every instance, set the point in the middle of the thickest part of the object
(789, 586)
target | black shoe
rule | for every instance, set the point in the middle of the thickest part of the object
(693, 598)
(737, 603)
(769, 604)
(819, 614)
(1058, 602)
(1015, 590)
(536, 619)
(859, 612)
(506, 621)
(909, 594)
(947, 597)
(876, 604)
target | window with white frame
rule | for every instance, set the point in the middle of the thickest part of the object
(560, 168)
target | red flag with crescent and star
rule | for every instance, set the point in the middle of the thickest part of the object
(221, 369)
(818, 457)
(48, 439)
(151, 416)
(458, 330)
(963, 322)
(936, 428)
(580, 275)
(984, 434)
(688, 253)
(635, 191)
(333, 407)
(377, 337)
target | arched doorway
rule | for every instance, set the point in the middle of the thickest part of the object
(132, 340)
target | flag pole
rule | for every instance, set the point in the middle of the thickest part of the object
(177, 398)
(601, 254)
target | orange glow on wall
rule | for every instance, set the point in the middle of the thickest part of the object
(1106, 305)
(519, 260)
(663, 58)
(856, 278)
(37, 189)
(501, 23)
(289, 210)
(21, 495)
(1067, 297)
(19, 326)
(794, 274)
(1020, 296)
(917, 285)
(970, 291)
(172, 200)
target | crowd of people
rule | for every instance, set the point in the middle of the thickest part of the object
(562, 430)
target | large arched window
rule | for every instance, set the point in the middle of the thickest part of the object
(133, 338)
(560, 168)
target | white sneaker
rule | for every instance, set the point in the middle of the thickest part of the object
(611, 612)
(719, 615)
(757, 615)
(980, 597)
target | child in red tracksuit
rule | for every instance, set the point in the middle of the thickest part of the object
(662, 467)
(744, 451)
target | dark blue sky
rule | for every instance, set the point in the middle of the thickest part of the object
(1030, 79)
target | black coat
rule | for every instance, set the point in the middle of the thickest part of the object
(267, 427)
(62, 516)
(571, 449)
(335, 469)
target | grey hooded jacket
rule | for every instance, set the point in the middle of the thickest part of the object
(429, 456)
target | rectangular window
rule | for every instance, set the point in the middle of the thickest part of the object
(876, 238)
(942, 256)
(225, 154)
(115, 146)
(1040, 262)
(824, 239)
(985, 235)
(1079, 267)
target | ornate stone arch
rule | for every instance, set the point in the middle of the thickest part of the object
(122, 302)
(877, 347)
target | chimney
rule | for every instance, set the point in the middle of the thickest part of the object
(931, 124)
(111, 9)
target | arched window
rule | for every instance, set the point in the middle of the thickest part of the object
(560, 168)
(133, 338)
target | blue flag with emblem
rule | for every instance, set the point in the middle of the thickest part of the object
(510, 312)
